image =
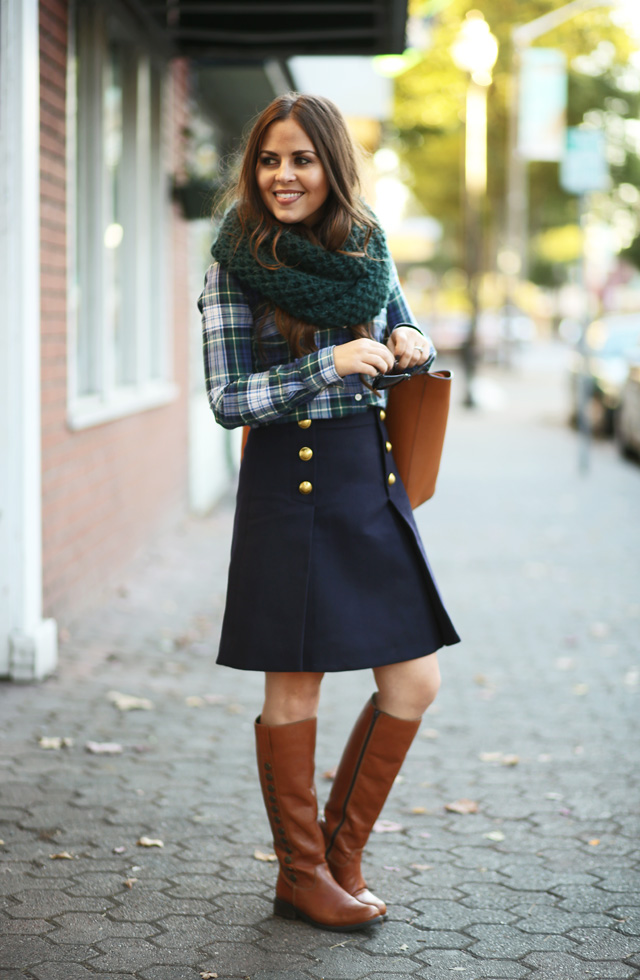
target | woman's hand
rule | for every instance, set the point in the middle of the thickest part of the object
(362, 356)
(409, 347)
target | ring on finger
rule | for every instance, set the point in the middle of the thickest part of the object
(419, 348)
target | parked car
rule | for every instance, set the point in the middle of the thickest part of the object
(601, 358)
(628, 415)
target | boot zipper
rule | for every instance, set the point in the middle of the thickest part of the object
(376, 713)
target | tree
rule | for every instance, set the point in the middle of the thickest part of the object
(429, 113)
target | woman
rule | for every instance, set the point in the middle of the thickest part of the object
(301, 306)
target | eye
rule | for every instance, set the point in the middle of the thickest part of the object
(268, 161)
(303, 161)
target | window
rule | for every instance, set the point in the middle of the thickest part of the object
(118, 219)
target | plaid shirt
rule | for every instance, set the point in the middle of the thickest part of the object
(251, 384)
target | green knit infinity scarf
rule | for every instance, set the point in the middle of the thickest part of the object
(323, 288)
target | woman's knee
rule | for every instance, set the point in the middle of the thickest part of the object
(290, 697)
(407, 689)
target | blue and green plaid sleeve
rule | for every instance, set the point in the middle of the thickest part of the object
(240, 393)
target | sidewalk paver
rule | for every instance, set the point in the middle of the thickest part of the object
(537, 723)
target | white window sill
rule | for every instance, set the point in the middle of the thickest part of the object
(92, 410)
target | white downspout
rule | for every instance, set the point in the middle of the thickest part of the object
(28, 644)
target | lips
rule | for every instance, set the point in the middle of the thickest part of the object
(286, 197)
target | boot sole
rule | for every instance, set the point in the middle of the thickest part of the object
(288, 911)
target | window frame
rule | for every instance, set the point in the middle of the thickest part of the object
(91, 26)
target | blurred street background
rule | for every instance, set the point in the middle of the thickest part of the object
(501, 151)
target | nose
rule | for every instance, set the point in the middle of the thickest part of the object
(285, 171)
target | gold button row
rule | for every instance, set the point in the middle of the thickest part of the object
(305, 455)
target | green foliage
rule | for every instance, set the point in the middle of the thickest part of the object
(429, 112)
(632, 254)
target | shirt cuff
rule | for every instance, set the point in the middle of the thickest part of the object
(318, 370)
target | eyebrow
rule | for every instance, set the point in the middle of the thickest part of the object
(295, 153)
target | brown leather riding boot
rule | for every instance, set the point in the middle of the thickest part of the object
(305, 888)
(370, 762)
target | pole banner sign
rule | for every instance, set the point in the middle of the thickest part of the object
(584, 165)
(542, 104)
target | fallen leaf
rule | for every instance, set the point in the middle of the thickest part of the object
(386, 827)
(262, 856)
(599, 630)
(632, 677)
(553, 796)
(565, 663)
(421, 867)
(390, 867)
(149, 842)
(119, 850)
(580, 689)
(594, 842)
(503, 758)
(48, 834)
(215, 698)
(418, 810)
(104, 748)
(462, 806)
(208, 976)
(404, 947)
(1, 843)
(129, 882)
(496, 835)
(61, 856)
(425, 834)
(480, 680)
(195, 701)
(235, 709)
(398, 780)
(55, 742)
(430, 733)
(330, 773)
(129, 702)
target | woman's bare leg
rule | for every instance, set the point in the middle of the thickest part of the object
(406, 690)
(290, 696)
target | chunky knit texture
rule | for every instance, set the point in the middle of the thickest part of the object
(319, 287)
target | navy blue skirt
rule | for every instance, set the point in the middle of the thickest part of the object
(328, 571)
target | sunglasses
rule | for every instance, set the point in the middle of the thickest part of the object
(382, 381)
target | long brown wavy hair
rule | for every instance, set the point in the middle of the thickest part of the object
(325, 126)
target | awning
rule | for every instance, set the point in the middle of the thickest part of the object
(259, 29)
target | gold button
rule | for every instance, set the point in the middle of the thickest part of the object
(304, 423)
(306, 487)
(388, 446)
(305, 453)
(391, 479)
(383, 415)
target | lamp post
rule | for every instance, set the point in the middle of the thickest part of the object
(474, 51)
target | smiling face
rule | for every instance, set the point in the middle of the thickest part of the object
(292, 182)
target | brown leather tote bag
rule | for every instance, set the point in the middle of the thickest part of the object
(417, 413)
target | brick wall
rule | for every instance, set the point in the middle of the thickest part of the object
(106, 490)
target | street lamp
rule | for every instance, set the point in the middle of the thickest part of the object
(474, 51)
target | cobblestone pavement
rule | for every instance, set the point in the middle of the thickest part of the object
(537, 723)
